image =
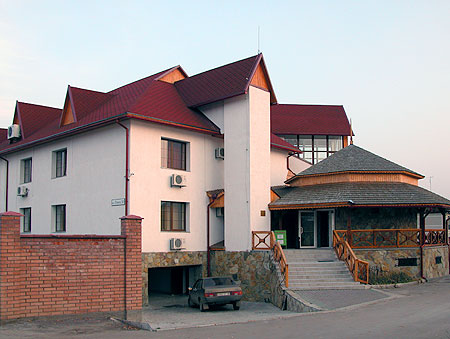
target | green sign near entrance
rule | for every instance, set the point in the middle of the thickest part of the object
(280, 236)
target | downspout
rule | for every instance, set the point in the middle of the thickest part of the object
(7, 179)
(127, 179)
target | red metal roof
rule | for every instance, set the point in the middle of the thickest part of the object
(309, 119)
(219, 83)
(277, 142)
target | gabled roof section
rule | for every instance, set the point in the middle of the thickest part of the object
(277, 142)
(354, 159)
(309, 119)
(68, 115)
(224, 82)
(85, 101)
(35, 118)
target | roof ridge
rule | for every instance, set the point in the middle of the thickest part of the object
(279, 104)
(218, 67)
(136, 81)
(28, 103)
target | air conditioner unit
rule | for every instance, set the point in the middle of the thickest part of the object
(177, 243)
(178, 180)
(13, 131)
(219, 212)
(22, 191)
(220, 153)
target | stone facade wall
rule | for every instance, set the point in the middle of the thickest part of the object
(253, 269)
(376, 218)
(385, 260)
(430, 268)
(45, 275)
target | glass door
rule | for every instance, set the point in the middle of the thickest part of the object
(307, 230)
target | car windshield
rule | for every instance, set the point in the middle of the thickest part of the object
(211, 282)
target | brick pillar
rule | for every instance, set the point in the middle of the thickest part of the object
(132, 229)
(12, 268)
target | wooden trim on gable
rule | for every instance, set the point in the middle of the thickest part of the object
(173, 76)
(259, 78)
(67, 115)
(273, 196)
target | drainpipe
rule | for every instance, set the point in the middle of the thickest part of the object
(127, 179)
(7, 179)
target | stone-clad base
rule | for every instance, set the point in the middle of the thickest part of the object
(386, 260)
(253, 269)
(430, 268)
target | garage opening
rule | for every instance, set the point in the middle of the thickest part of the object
(165, 282)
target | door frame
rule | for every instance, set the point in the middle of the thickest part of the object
(331, 226)
(300, 228)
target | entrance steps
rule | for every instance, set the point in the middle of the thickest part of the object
(313, 269)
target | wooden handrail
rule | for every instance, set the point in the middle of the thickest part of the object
(265, 240)
(358, 268)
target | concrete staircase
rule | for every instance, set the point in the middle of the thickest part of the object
(313, 269)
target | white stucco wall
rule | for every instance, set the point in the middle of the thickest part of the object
(150, 184)
(278, 166)
(95, 175)
(298, 165)
(247, 167)
(214, 112)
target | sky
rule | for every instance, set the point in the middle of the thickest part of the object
(386, 62)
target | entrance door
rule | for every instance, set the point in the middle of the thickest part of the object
(307, 230)
(323, 229)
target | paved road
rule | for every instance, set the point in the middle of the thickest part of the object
(418, 311)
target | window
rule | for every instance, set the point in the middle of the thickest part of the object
(59, 163)
(25, 170)
(26, 219)
(315, 148)
(173, 216)
(173, 154)
(59, 218)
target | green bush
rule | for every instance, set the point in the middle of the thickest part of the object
(385, 278)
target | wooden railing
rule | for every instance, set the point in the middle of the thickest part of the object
(265, 240)
(434, 237)
(385, 238)
(358, 268)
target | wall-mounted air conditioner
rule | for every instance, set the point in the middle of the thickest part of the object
(178, 180)
(177, 243)
(220, 153)
(14, 131)
(22, 191)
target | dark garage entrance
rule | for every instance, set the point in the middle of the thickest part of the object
(172, 280)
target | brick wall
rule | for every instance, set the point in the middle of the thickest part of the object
(42, 275)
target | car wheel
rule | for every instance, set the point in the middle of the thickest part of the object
(203, 307)
(236, 306)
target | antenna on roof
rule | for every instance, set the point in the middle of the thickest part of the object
(258, 41)
(351, 132)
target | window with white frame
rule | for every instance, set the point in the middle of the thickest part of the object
(59, 218)
(26, 219)
(25, 170)
(59, 166)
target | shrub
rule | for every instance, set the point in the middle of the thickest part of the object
(385, 278)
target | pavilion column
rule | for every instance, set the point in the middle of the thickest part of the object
(444, 225)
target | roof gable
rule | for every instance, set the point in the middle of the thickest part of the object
(172, 75)
(354, 159)
(223, 82)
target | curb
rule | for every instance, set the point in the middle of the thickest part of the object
(136, 324)
(398, 285)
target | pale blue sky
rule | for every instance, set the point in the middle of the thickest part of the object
(387, 62)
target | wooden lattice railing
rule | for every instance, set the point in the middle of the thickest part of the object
(265, 240)
(385, 238)
(358, 268)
